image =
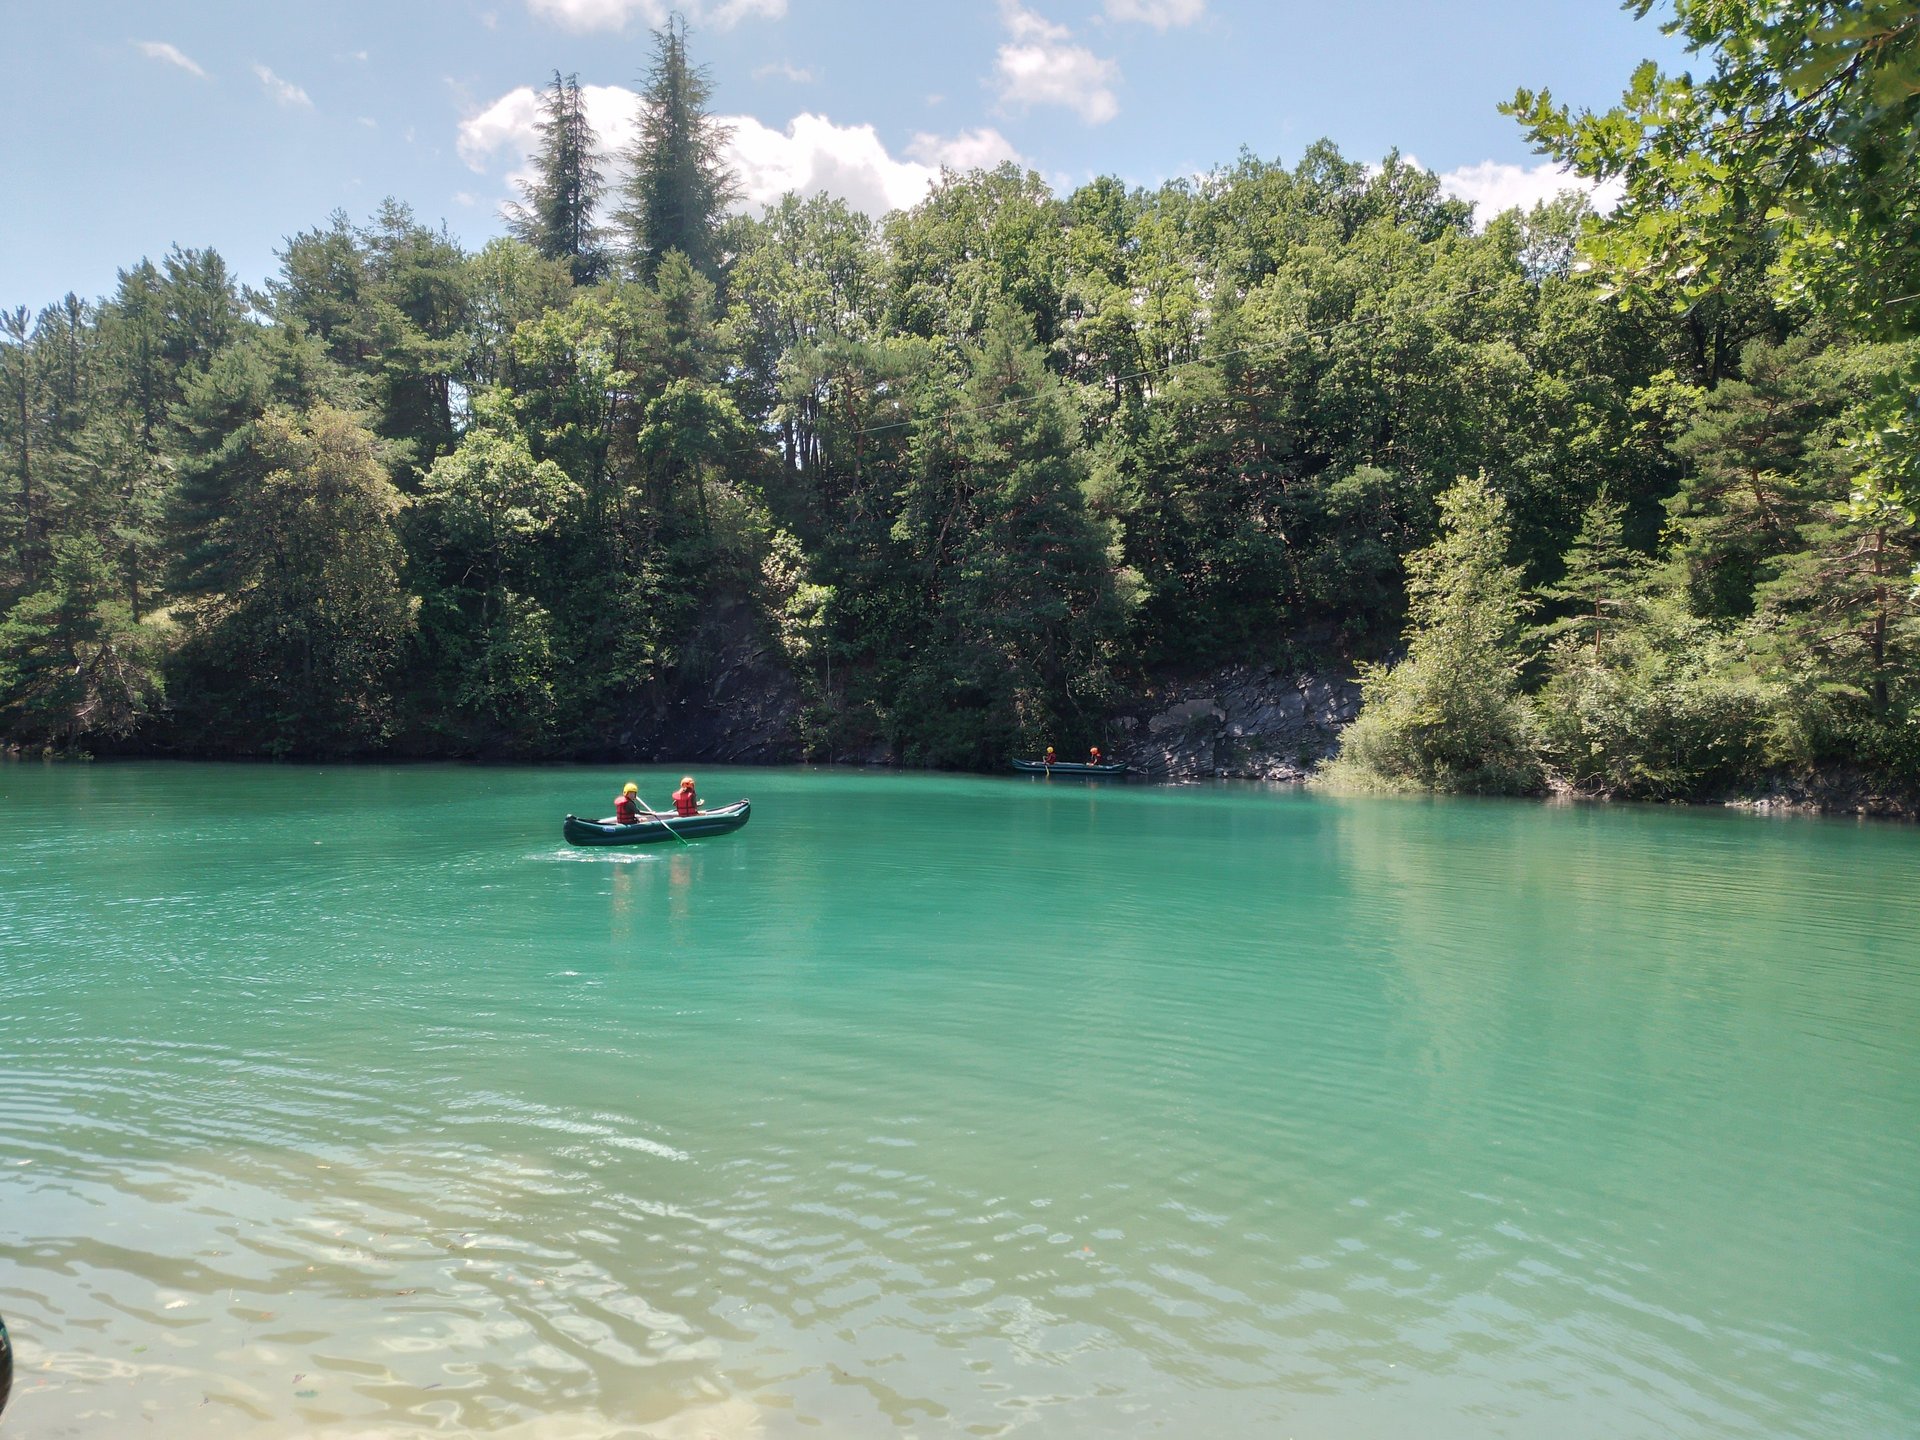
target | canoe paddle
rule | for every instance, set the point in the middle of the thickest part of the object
(663, 820)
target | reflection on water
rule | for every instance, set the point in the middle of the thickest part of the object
(947, 1106)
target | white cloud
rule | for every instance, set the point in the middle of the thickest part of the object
(614, 14)
(725, 14)
(161, 50)
(1038, 67)
(1161, 14)
(508, 127)
(969, 150)
(1494, 186)
(815, 156)
(508, 121)
(1024, 24)
(811, 155)
(786, 70)
(285, 91)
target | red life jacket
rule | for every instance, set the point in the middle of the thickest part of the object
(1093, 756)
(685, 802)
(625, 812)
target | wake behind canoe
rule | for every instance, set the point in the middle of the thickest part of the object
(647, 832)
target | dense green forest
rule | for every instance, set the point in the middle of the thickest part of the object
(1623, 503)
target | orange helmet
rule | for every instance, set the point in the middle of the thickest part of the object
(686, 782)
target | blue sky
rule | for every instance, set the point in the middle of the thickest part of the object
(235, 123)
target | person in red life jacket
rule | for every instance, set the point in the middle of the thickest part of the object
(626, 809)
(1093, 755)
(1050, 761)
(685, 802)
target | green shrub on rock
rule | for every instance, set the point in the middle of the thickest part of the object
(1667, 710)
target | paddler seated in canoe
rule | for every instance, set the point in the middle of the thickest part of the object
(626, 809)
(1093, 755)
(685, 802)
(1049, 762)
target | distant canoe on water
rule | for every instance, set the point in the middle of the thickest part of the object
(648, 832)
(1066, 767)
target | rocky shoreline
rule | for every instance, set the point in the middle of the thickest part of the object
(1830, 795)
(1245, 722)
(733, 699)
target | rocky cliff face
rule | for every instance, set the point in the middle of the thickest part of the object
(731, 699)
(1245, 722)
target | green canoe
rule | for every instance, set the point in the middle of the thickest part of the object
(1066, 767)
(647, 832)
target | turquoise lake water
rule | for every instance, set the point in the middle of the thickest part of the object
(352, 1102)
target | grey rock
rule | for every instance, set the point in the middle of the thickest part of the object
(1242, 722)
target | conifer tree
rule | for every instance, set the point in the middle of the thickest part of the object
(21, 406)
(1754, 474)
(678, 185)
(557, 216)
(74, 663)
(295, 654)
(1848, 600)
(1603, 579)
(1451, 716)
(1012, 568)
(202, 304)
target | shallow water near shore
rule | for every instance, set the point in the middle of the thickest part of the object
(352, 1102)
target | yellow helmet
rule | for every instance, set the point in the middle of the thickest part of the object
(686, 782)
(631, 789)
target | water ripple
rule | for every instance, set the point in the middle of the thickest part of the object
(1078, 1112)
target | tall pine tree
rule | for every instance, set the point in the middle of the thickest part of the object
(556, 217)
(678, 184)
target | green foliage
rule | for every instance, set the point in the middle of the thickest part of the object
(1756, 447)
(979, 241)
(75, 666)
(981, 468)
(294, 652)
(220, 458)
(1842, 602)
(800, 608)
(490, 502)
(1670, 708)
(1007, 568)
(1451, 715)
(390, 302)
(556, 219)
(806, 279)
(1604, 582)
(678, 186)
(509, 284)
(1799, 145)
